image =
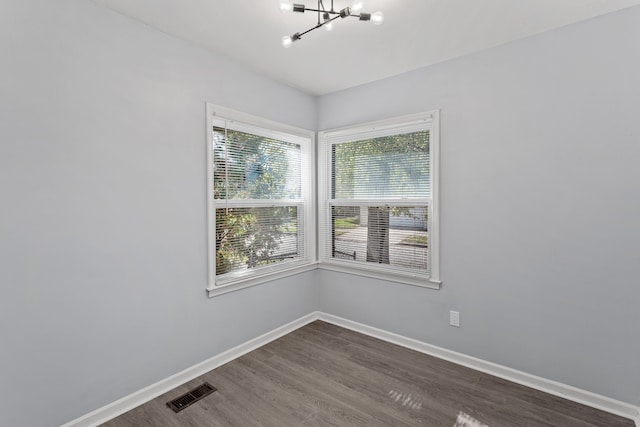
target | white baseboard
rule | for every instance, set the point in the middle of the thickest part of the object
(120, 406)
(140, 397)
(552, 387)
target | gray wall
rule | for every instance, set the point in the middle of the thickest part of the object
(540, 205)
(103, 216)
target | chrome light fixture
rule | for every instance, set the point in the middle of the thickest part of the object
(327, 16)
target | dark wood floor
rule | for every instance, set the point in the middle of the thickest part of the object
(324, 375)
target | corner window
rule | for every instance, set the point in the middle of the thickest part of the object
(259, 200)
(379, 199)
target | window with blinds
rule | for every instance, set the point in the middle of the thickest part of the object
(258, 201)
(380, 209)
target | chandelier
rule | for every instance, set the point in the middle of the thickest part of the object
(327, 16)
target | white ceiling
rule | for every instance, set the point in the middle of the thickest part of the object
(415, 33)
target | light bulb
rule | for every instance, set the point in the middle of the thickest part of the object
(377, 18)
(287, 41)
(328, 26)
(357, 6)
(285, 6)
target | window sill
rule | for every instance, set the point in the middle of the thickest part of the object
(421, 282)
(257, 280)
(268, 277)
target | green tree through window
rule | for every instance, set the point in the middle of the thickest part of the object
(249, 169)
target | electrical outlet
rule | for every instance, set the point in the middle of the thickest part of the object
(454, 318)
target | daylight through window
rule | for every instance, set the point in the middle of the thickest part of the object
(379, 205)
(259, 200)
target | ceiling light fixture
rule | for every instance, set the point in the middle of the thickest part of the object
(327, 16)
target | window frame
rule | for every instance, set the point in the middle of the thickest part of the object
(276, 130)
(393, 126)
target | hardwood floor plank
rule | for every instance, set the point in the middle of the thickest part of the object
(324, 375)
(329, 398)
(341, 393)
(375, 385)
(540, 402)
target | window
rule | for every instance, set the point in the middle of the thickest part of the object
(259, 200)
(379, 199)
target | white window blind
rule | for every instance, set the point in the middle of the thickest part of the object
(378, 207)
(260, 200)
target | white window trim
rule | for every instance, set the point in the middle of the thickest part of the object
(280, 270)
(433, 280)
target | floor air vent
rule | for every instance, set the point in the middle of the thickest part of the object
(191, 397)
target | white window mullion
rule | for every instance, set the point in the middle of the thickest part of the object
(378, 202)
(247, 203)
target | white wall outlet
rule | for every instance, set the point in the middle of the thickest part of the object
(454, 318)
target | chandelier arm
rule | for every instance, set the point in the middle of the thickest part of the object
(309, 30)
(318, 26)
(331, 20)
(321, 9)
(307, 9)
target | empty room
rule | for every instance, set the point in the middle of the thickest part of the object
(320, 213)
